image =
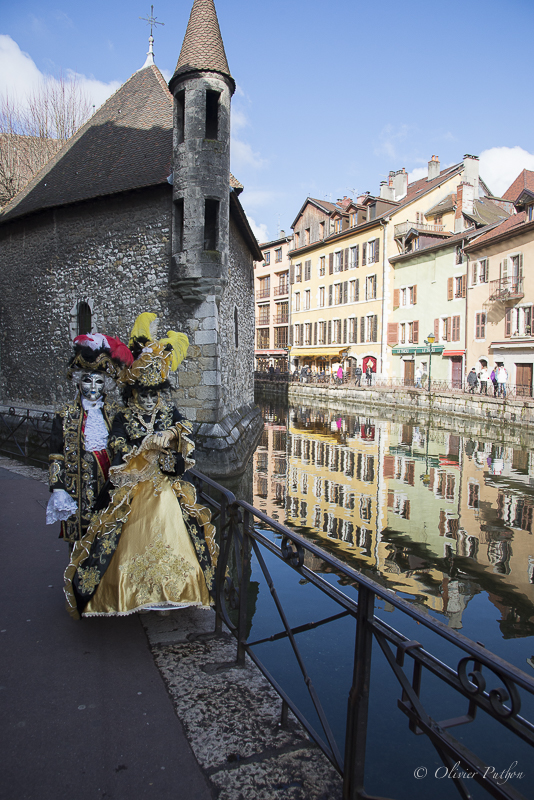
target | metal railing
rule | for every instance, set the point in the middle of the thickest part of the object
(282, 289)
(25, 434)
(510, 288)
(511, 392)
(261, 321)
(261, 293)
(482, 682)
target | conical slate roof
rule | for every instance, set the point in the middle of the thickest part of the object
(202, 48)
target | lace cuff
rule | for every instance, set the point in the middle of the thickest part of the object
(60, 507)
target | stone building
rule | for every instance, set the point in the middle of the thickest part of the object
(139, 212)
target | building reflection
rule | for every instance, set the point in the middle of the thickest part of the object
(439, 516)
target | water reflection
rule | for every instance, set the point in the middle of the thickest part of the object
(436, 516)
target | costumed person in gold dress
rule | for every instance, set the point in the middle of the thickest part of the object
(153, 546)
(79, 460)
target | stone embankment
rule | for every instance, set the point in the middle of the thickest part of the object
(503, 421)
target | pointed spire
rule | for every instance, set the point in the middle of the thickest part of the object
(202, 48)
(150, 55)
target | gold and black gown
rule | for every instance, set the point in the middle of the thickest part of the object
(153, 546)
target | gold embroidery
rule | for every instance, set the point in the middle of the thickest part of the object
(89, 579)
(157, 566)
(54, 471)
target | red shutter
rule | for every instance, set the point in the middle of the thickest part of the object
(331, 264)
(393, 333)
(464, 285)
(450, 289)
(346, 258)
(396, 298)
(414, 295)
(389, 468)
(436, 329)
(449, 326)
(416, 332)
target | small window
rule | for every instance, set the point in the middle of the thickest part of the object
(212, 115)
(267, 258)
(84, 318)
(179, 108)
(211, 224)
(278, 254)
(236, 327)
(480, 326)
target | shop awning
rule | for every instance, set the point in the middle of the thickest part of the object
(450, 353)
(270, 352)
(315, 352)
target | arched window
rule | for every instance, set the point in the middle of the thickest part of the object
(236, 329)
(84, 318)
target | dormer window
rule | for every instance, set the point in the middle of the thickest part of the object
(353, 219)
(337, 225)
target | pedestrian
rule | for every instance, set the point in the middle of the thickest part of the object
(483, 377)
(493, 379)
(271, 373)
(472, 380)
(340, 375)
(358, 375)
(418, 376)
(502, 377)
(369, 373)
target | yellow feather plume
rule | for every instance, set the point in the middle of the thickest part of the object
(179, 343)
(141, 326)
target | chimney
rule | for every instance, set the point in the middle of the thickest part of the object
(400, 183)
(470, 173)
(386, 191)
(433, 168)
(465, 196)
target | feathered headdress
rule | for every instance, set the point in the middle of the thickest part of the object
(99, 353)
(153, 360)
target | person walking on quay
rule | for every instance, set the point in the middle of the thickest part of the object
(340, 375)
(369, 373)
(358, 376)
(472, 380)
(271, 373)
(483, 377)
(418, 375)
(493, 379)
(502, 377)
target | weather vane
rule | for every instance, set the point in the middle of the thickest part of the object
(151, 20)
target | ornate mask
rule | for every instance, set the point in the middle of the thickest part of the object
(92, 385)
(147, 399)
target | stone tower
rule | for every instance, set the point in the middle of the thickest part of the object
(202, 87)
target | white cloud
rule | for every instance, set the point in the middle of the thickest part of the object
(259, 231)
(389, 138)
(19, 75)
(500, 166)
(239, 120)
(258, 198)
(244, 156)
(417, 173)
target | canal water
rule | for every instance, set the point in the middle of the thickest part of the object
(445, 520)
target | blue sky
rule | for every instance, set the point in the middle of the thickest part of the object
(330, 97)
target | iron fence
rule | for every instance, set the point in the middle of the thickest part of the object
(25, 434)
(481, 682)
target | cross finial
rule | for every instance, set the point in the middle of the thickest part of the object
(151, 20)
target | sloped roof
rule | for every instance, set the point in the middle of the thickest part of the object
(525, 180)
(485, 212)
(446, 204)
(508, 226)
(202, 48)
(322, 205)
(422, 186)
(127, 144)
(449, 241)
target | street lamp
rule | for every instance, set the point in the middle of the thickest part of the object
(430, 339)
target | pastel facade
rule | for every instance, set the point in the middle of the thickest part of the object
(271, 289)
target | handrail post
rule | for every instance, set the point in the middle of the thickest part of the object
(243, 590)
(358, 704)
(220, 570)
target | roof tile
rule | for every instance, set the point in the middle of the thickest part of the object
(203, 47)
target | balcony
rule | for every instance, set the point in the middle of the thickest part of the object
(281, 319)
(282, 289)
(509, 288)
(263, 293)
(423, 227)
(262, 322)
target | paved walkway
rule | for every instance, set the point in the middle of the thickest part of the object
(85, 713)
